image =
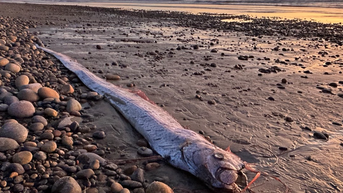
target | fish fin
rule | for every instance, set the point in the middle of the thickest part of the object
(142, 95)
(252, 181)
(228, 149)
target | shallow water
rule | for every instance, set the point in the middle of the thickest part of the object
(325, 13)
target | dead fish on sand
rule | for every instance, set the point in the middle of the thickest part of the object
(182, 148)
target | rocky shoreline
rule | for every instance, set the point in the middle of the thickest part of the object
(47, 140)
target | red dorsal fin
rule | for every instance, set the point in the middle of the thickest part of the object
(142, 95)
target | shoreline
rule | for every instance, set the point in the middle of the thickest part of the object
(267, 97)
(312, 13)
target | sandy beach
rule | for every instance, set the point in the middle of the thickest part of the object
(270, 90)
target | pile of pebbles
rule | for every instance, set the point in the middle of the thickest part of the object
(44, 145)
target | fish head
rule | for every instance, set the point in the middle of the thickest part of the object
(221, 168)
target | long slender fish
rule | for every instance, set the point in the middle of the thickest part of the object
(182, 148)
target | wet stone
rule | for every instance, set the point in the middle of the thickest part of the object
(138, 175)
(144, 151)
(99, 135)
(321, 135)
(152, 166)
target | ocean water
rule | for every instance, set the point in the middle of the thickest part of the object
(319, 11)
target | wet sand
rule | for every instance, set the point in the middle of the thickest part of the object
(267, 96)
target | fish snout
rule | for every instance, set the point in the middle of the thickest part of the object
(226, 176)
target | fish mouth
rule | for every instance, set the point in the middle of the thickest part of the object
(226, 175)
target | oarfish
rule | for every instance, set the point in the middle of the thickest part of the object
(182, 148)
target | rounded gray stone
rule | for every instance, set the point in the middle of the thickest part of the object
(8, 144)
(21, 109)
(33, 86)
(66, 184)
(21, 80)
(73, 105)
(28, 95)
(39, 119)
(14, 131)
(10, 99)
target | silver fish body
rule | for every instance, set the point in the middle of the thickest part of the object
(184, 149)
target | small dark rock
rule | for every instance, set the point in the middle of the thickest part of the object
(99, 135)
(321, 135)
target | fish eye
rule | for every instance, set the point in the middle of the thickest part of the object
(219, 156)
(226, 176)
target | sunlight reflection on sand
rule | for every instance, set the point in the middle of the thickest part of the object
(319, 14)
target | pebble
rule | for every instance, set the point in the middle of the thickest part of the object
(320, 135)
(116, 187)
(99, 135)
(112, 77)
(21, 109)
(50, 112)
(66, 184)
(67, 141)
(39, 119)
(73, 105)
(46, 92)
(40, 156)
(28, 95)
(21, 80)
(3, 62)
(87, 158)
(47, 135)
(12, 67)
(10, 99)
(145, 152)
(8, 144)
(23, 157)
(67, 89)
(36, 127)
(14, 131)
(159, 187)
(85, 174)
(33, 86)
(16, 167)
(138, 175)
(131, 184)
(49, 147)
(125, 190)
(3, 107)
(94, 165)
(152, 166)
